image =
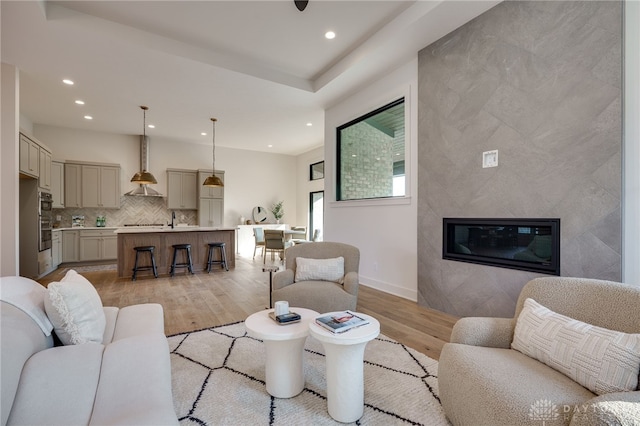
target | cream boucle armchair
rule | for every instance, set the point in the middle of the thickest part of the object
(321, 296)
(482, 381)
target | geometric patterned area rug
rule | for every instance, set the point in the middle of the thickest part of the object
(218, 378)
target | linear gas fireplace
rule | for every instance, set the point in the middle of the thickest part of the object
(525, 244)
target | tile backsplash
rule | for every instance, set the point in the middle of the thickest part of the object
(133, 210)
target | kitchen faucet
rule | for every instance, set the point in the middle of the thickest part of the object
(173, 219)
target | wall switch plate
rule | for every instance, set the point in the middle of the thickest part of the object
(490, 159)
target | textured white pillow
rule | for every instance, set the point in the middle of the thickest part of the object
(75, 309)
(320, 269)
(601, 360)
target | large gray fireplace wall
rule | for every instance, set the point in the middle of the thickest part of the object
(541, 83)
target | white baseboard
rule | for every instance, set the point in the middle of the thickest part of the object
(390, 288)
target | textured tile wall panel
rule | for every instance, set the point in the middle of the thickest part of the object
(540, 82)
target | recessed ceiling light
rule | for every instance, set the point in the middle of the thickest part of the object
(353, 155)
(203, 133)
(67, 81)
(330, 35)
(309, 124)
(79, 102)
(151, 126)
(88, 117)
(269, 146)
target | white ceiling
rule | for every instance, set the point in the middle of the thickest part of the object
(262, 68)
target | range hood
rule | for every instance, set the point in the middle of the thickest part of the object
(144, 190)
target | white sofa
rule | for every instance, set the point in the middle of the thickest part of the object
(126, 379)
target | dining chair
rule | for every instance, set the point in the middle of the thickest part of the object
(274, 241)
(301, 238)
(258, 236)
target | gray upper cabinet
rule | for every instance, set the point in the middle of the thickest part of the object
(57, 184)
(92, 185)
(29, 156)
(182, 189)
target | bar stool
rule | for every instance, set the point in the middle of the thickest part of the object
(223, 256)
(186, 264)
(136, 268)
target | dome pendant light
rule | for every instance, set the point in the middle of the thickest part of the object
(144, 177)
(213, 180)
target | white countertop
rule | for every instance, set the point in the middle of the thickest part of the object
(145, 229)
(152, 229)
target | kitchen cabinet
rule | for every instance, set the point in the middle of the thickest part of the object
(70, 246)
(98, 244)
(57, 184)
(56, 247)
(29, 156)
(209, 191)
(100, 186)
(44, 163)
(182, 189)
(211, 212)
(91, 185)
(72, 185)
(211, 201)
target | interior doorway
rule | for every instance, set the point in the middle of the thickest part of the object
(316, 215)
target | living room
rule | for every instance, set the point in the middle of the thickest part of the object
(401, 242)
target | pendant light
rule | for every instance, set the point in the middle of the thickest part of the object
(144, 177)
(213, 180)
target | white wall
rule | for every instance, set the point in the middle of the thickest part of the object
(305, 186)
(251, 178)
(9, 169)
(384, 232)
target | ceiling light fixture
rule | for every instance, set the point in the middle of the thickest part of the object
(309, 124)
(88, 117)
(213, 180)
(330, 35)
(79, 102)
(144, 177)
(151, 126)
(67, 81)
(301, 4)
(203, 133)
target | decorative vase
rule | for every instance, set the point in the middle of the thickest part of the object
(278, 221)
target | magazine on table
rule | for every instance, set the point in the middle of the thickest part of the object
(339, 322)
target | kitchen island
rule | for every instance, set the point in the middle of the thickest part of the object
(164, 237)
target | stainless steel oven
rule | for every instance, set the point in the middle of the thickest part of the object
(45, 223)
(45, 203)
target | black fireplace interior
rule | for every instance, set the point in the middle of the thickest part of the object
(525, 244)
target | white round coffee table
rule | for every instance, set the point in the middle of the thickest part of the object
(345, 369)
(284, 349)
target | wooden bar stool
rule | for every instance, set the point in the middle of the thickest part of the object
(187, 264)
(223, 256)
(136, 267)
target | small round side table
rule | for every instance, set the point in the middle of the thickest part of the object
(284, 346)
(344, 355)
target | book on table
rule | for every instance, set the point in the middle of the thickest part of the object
(339, 322)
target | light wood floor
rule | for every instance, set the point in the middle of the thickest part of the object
(193, 302)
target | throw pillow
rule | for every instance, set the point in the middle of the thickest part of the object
(601, 360)
(75, 309)
(320, 269)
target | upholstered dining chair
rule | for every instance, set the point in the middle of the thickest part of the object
(258, 236)
(274, 242)
(315, 277)
(304, 237)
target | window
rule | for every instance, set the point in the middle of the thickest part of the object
(316, 170)
(371, 155)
